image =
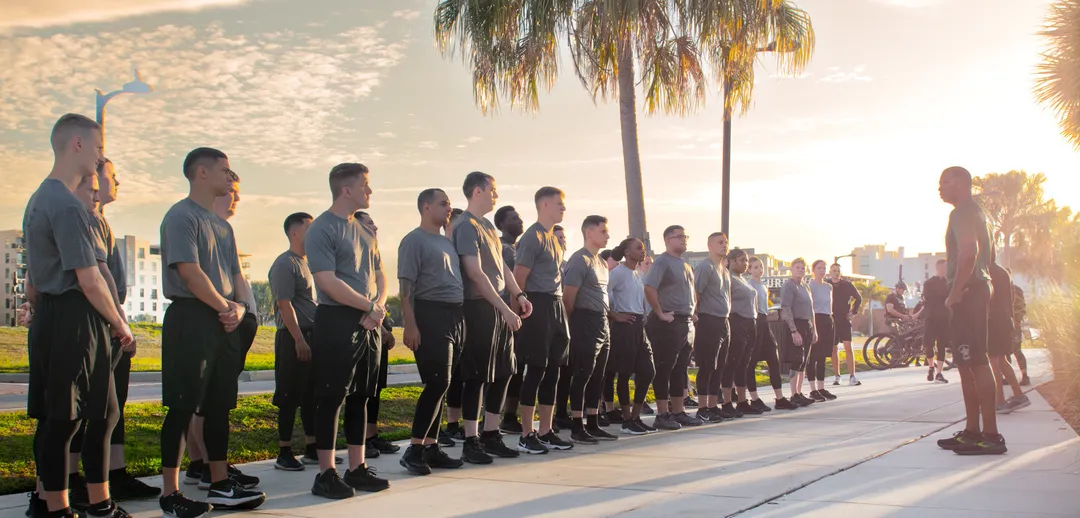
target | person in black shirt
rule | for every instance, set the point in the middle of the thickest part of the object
(936, 319)
(843, 311)
(1000, 340)
(895, 309)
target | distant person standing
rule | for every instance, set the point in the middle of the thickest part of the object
(896, 310)
(509, 223)
(712, 332)
(631, 353)
(765, 351)
(743, 336)
(846, 304)
(1000, 341)
(823, 331)
(936, 318)
(797, 311)
(1019, 313)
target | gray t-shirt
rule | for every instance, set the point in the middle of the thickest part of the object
(762, 296)
(626, 290)
(968, 213)
(822, 293)
(713, 284)
(112, 254)
(539, 251)
(339, 245)
(796, 302)
(589, 274)
(475, 236)
(674, 283)
(193, 234)
(432, 264)
(291, 280)
(508, 251)
(743, 297)
(59, 238)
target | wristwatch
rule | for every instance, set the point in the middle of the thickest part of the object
(521, 295)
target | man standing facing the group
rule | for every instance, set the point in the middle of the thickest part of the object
(544, 339)
(346, 264)
(936, 328)
(669, 290)
(843, 311)
(488, 353)
(431, 297)
(508, 221)
(200, 343)
(586, 299)
(293, 290)
(968, 250)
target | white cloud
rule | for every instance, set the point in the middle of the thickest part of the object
(428, 144)
(386, 134)
(50, 13)
(837, 75)
(406, 14)
(473, 140)
(912, 4)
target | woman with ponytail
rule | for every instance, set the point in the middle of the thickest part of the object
(824, 330)
(743, 336)
(766, 346)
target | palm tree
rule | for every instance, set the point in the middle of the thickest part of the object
(1012, 202)
(733, 33)
(1057, 82)
(514, 48)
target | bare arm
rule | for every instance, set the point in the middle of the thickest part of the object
(380, 286)
(341, 292)
(521, 274)
(96, 291)
(200, 286)
(288, 317)
(475, 274)
(653, 298)
(412, 332)
(569, 298)
(968, 247)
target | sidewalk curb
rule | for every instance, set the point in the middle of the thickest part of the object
(155, 377)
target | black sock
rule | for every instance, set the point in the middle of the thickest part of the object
(195, 465)
(579, 424)
(285, 451)
(118, 472)
(592, 421)
(61, 513)
(310, 450)
(452, 427)
(486, 434)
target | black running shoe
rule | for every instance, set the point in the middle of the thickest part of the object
(940, 379)
(445, 440)
(371, 453)
(708, 415)
(959, 439)
(685, 419)
(288, 462)
(760, 405)
(836, 381)
(510, 426)
(472, 452)
(647, 410)
(602, 419)
(123, 486)
(728, 411)
(581, 437)
(492, 443)
(785, 404)
(1025, 381)
(746, 408)
(245, 481)
(329, 485)
(828, 395)
(455, 432)
(818, 396)
(37, 506)
(311, 457)
(381, 445)
(364, 479)
(615, 417)
(78, 495)
(413, 460)
(987, 445)
(229, 494)
(552, 441)
(438, 459)
(801, 400)
(690, 402)
(648, 428)
(930, 375)
(632, 427)
(530, 443)
(177, 505)
(666, 422)
(113, 511)
(193, 474)
(600, 434)
(563, 422)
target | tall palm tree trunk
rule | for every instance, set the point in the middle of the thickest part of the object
(635, 199)
(725, 195)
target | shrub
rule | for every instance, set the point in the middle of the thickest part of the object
(1057, 317)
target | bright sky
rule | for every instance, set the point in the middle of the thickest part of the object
(846, 155)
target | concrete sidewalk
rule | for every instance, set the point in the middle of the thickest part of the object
(870, 453)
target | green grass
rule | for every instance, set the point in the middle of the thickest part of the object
(13, 358)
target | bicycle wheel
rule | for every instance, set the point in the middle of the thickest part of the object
(874, 359)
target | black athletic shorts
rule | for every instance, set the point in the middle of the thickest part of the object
(628, 344)
(793, 354)
(823, 348)
(711, 333)
(936, 334)
(249, 327)
(841, 329)
(486, 352)
(121, 374)
(442, 335)
(669, 339)
(968, 326)
(544, 338)
(292, 377)
(199, 359)
(344, 356)
(765, 349)
(71, 364)
(589, 334)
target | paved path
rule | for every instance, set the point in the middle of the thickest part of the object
(871, 453)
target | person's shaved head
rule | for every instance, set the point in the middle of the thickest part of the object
(955, 185)
(958, 174)
(71, 126)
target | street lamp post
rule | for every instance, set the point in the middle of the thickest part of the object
(136, 86)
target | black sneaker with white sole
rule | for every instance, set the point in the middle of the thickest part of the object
(381, 445)
(288, 462)
(492, 443)
(177, 505)
(760, 405)
(228, 494)
(552, 441)
(329, 485)
(647, 427)
(582, 437)
(666, 422)
(600, 434)
(193, 474)
(632, 427)
(510, 426)
(244, 481)
(364, 479)
(473, 452)
(112, 511)
(530, 443)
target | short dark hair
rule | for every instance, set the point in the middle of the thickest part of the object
(592, 221)
(456, 212)
(547, 192)
(68, 126)
(427, 197)
(475, 180)
(294, 219)
(960, 172)
(359, 214)
(557, 228)
(736, 253)
(344, 173)
(502, 214)
(716, 234)
(619, 251)
(198, 157)
(670, 231)
(605, 254)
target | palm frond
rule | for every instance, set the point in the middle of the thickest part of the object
(1057, 77)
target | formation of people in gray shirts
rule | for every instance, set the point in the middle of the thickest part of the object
(500, 327)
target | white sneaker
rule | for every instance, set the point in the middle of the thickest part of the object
(836, 381)
(852, 382)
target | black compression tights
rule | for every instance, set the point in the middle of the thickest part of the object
(326, 420)
(373, 407)
(586, 388)
(52, 441)
(287, 420)
(563, 389)
(1021, 360)
(609, 386)
(538, 384)
(454, 393)
(644, 375)
(174, 432)
(428, 409)
(470, 399)
(671, 382)
(495, 397)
